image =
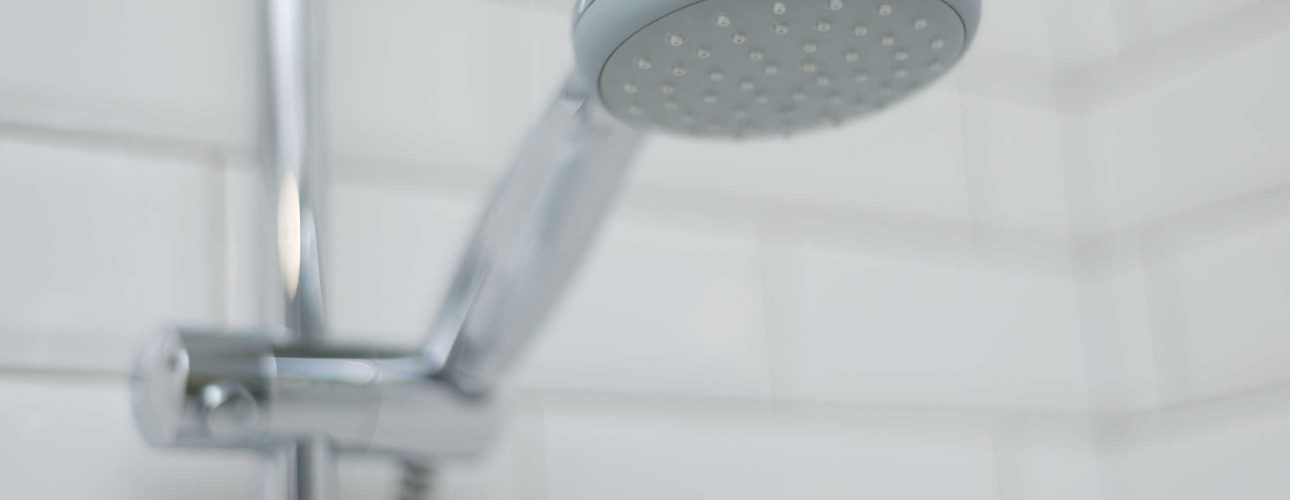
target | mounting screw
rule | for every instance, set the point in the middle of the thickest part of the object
(229, 409)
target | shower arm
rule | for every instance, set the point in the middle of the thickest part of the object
(212, 389)
(543, 216)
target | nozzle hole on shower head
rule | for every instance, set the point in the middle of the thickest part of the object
(736, 68)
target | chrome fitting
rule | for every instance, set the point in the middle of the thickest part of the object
(206, 389)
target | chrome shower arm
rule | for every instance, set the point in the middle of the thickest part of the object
(532, 237)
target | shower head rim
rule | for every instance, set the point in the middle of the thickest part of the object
(601, 28)
(969, 12)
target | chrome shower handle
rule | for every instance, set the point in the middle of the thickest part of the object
(543, 216)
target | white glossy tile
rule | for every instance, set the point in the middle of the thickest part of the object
(1201, 137)
(108, 246)
(1015, 167)
(1082, 33)
(251, 280)
(936, 331)
(1123, 365)
(1143, 21)
(663, 308)
(76, 439)
(887, 461)
(610, 455)
(448, 84)
(1220, 297)
(907, 160)
(1147, 59)
(1049, 460)
(391, 255)
(679, 450)
(174, 70)
(1233, 447)
(1018, 29)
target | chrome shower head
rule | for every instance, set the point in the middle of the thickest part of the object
(737, 68)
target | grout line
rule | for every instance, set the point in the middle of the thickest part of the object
(1270, 400)
(643, 404)
(897, 230)
(59, 375)
(89, 140)
(1267, 399)
(778, 302)
(1168, 347)
(1272, 204)
(1073, 139)
(974, 169)
(445, 181)
(220, 269)
(542, 469)
(1007, 465)
(1108, 473)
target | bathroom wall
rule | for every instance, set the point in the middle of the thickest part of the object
(1060, 274)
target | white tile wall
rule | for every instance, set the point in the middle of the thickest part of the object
(74, 438)
(1017, 29)
(1227, 446)
(1082, 33)
(1119, 336)
(452, 84)
(392, 255)
(174, 71)
(102, 248)
(1059, 275)
(909, 163)
(1204, 136)
(952, 332)
(1140, 22)
(1050, 459)
(887, 459)
(654, 456)
(664, 309)
(1015, 172)
(692, 449)
(1221, 306)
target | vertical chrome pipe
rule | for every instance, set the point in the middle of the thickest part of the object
(314, 470)
(306, 471)
(417, 482)
(292, 150)
(531, 238)
(292, 140)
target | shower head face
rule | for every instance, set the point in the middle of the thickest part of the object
(736, 68)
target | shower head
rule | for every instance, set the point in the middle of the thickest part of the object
(734, 68)
(711, 68)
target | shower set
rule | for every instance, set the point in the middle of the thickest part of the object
(719, 69)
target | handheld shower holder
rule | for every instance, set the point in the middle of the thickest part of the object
(215, 389)
(207, 388)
